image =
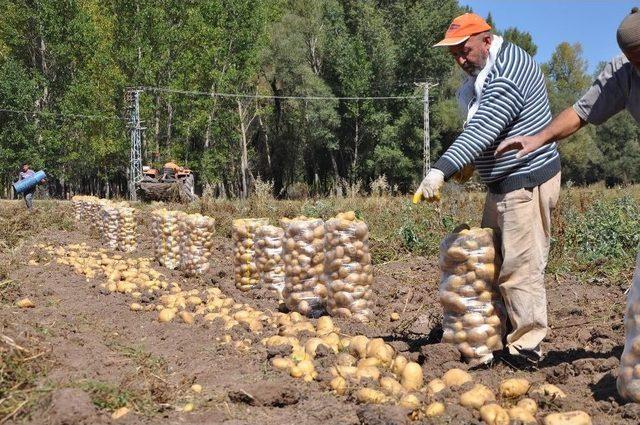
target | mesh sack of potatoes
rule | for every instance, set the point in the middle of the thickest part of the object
(628, 382)
(303, 255)
(198, 232)
(244, 263)
(90, 205)
(348, 273)
(473, 311)
(109, 224)
(100, 220)
(165, 227)
(85, 206)
(126, 228)
(268, 244)
(78, 207)
(94, 207)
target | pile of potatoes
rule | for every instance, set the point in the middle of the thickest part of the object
(303, 255)
(473, 312)
(268, 257)
(370, 371)
(348, 273)
(167, 237)
(244, 263)
(628, 382)
(197, 232)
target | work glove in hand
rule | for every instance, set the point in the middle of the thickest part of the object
(431, 185)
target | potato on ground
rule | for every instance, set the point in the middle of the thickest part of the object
(477, 397)
(494, 414)
(514, 387)
(370, 396)
(521, 416)
(550, 390)
(577, 417)
(434, 409)
(456, 377)
(412, 378)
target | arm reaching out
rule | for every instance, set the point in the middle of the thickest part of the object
(562, 126)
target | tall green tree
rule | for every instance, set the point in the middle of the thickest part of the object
(521, 39)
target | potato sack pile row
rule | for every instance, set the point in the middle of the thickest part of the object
(183, 241)
(115, 222)
(317, 266)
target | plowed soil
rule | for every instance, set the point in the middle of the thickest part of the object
(92, 345)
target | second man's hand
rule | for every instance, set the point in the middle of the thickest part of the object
(523, 144)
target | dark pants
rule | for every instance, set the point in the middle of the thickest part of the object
(28, 198)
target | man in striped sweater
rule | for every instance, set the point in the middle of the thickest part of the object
(504, 96)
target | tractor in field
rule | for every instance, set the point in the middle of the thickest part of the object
(173, 184)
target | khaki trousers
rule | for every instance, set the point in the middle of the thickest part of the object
(523, 221)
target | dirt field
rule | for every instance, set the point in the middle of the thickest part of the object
(80, 353)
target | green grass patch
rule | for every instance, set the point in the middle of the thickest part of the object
(108, 396)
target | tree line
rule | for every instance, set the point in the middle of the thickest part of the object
(65, 66)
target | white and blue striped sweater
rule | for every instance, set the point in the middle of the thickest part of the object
(514, 102)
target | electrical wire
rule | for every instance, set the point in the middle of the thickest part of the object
(56, 114)
(263, 96)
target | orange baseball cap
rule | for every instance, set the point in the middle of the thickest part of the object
(463, 27)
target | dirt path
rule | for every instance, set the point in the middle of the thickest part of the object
(98, 355)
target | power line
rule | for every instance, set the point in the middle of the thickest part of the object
(263, 96)
(56, 114)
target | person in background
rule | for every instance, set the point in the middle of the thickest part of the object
(169, 171)
(25, 173)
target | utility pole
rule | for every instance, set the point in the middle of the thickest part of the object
(426, 147)
(136, 131)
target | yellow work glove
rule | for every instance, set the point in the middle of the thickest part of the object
(430, 187)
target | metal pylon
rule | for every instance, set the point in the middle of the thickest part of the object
(136, 131)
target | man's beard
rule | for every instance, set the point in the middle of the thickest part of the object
(474, 70)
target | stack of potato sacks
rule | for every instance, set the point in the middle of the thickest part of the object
(109, 223)
(83, 207)
(79, 209)
(473, 312)
(245, 269)
(126, 228)
(166, 230)
(348, 272)
(197, 232)
(87, 206)
(629, 377)
(268, 256)
(118, 226)
(303, 255)
(94, 206)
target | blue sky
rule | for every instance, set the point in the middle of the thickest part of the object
(593, 23)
